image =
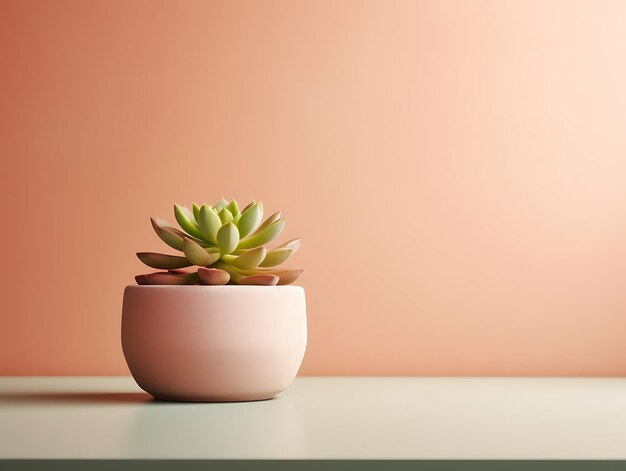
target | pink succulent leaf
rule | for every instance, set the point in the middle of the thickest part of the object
(182, 271)
(213, 276)
(141, 280)
(288, 276)
(261, 280)
(168, 278)
(163, 261)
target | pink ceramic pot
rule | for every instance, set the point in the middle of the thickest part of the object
(214, 343)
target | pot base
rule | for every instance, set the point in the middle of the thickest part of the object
(214, 399)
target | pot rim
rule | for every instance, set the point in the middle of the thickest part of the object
(226, 287)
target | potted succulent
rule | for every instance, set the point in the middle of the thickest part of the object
(218, 322)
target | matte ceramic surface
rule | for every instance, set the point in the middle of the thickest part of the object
(214, 343)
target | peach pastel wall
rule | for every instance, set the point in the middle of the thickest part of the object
(457, 170)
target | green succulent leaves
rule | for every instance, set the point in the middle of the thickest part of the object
(225, 216)
(221, 204)
(233, 207)
(263, 236)
(187, 221)
(171, 236)
(196, 211)
(228, 238)
(250, 219)
(250, 259)
(209, 223)
(198, 255)
(274, 217)
(280, 254)
(224, 243)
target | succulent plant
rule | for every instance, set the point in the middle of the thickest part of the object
(220, 245)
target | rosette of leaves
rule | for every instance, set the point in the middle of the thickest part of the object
(220, 245)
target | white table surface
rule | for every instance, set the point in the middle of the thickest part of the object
(320, 417)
